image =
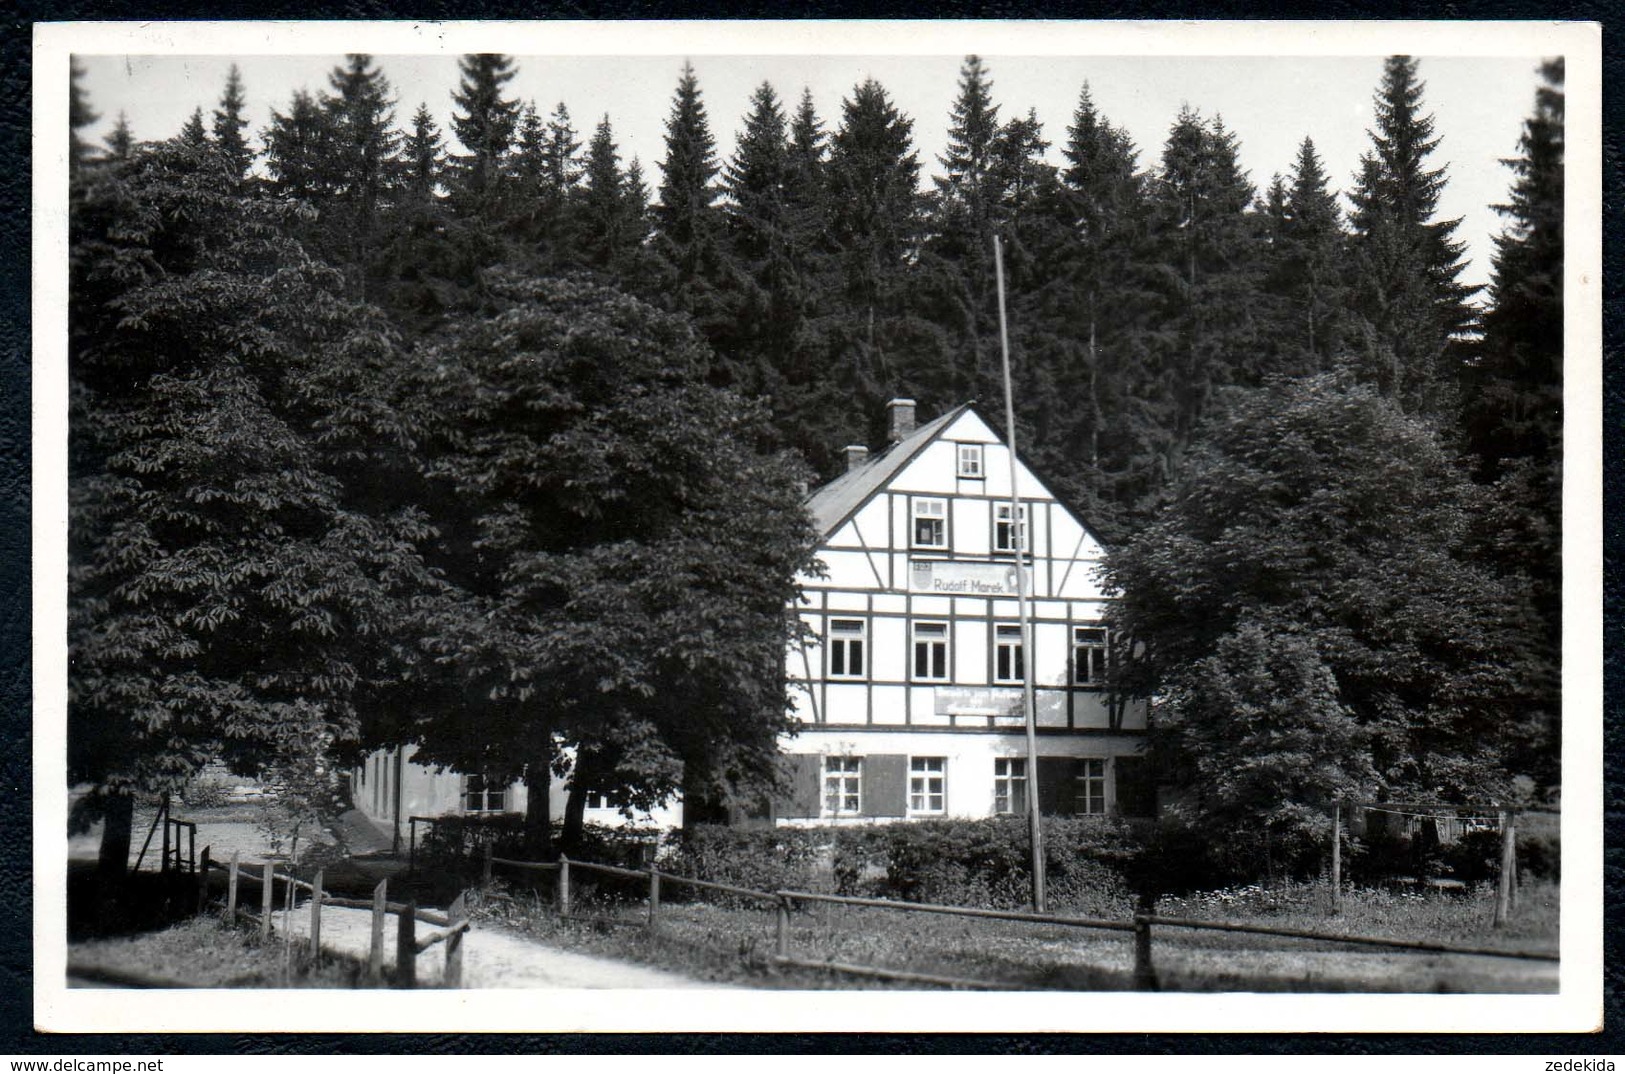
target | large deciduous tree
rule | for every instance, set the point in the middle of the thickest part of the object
(225, 591)
(622, 552)
(1315, 595)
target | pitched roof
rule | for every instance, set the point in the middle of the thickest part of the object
(835, 502)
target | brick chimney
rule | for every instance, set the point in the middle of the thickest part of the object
(901, 413)
(856, 456)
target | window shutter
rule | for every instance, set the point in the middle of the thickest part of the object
(804, 772)
(885, 785)
(1056, 794)
(1136, 794)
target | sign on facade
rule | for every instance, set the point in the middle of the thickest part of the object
(977, 701)
(964, 579)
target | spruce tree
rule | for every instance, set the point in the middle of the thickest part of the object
(687, 220)
(121, 140)
(424, 155)
(610, 207)
(299, 151)
(763, 308)
(194, 134)
(365, 165)
(1513, 418)
(1308, 270)
(874, 218)
(80, 114)
(485, 127)
(1203, 242)
(966, 193)
(1407, 265)
(229, 124)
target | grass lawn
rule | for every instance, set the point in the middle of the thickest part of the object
(737, 945)
(205, 952)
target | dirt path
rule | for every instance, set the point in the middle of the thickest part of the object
(491, 958)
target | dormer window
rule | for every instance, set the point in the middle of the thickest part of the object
(970, 461)
(931, 523)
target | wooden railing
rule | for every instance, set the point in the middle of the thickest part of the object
(784, 902)
(454, 923)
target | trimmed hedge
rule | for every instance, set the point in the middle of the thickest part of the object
(981, 863)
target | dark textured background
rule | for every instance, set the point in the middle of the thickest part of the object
(16, 905)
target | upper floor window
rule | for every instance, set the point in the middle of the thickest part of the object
(1008, 664)
(931, 651)
(930, 523)
(1089, 656)
(481, 795)
(1004, 534)
(927, 784)
(846, 648)
(843, 785)
(970, 460)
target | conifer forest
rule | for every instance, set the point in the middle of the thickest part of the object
(489, 439)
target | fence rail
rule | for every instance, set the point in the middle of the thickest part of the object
(1144, 976)
(454, 923)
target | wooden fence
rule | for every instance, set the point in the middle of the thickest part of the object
(785, 902)
(453, 924)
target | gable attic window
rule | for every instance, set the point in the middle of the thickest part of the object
(930, 523)
(846, 648)
(970, 461)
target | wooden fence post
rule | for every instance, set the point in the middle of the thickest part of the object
(1337, 857)
(412, 848)
(191, 847)
(267, 899)
(203, 882)
(782, 927)
(1145, 974)
(316, 917)
(485, 875)
(165, 867)
(456, 915)
(380, 910)
(406, 947)
(231, 887)
(1509, 863)
(654, 898)
(564, 886)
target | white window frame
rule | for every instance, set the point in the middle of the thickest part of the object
(480, 786)
(923, 634)
(1009, 777)
(1089, 787)
(927, 786)
(839, 640)
(1003, 538)
(1090, 651)
(970, 462)
(930, 509)
(1007, 636)
(842, 783)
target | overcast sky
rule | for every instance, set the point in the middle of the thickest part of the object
(1270, 101)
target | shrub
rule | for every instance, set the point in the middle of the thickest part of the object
(1540, 854)
(761, 859)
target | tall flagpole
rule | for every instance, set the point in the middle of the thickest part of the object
(1019, 529)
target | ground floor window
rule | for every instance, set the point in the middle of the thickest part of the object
(481, 795)
(843, 785)
(1089, 786)
(927, 784)
(1009, 785)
